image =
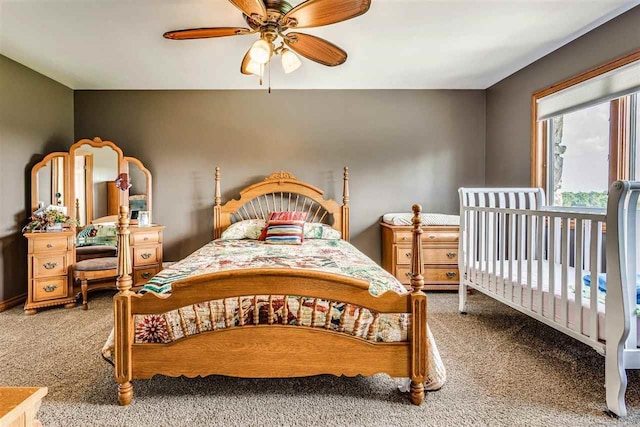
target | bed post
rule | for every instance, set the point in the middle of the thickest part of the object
(345, 205)
(617, 315)
(217, 207)
(419, 340)
(123, 320)
(462, 289)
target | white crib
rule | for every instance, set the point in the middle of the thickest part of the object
(534, 259)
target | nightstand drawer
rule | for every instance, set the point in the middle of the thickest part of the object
(50, 288)
(440, 255)
(441, 275)
(428, 235)
(145, 255)
(431, 275)
(142, 275)
(49, 265)
(50, 244)
(145, 237)
(403, 255)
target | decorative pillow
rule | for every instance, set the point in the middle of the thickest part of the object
(283, 216)
(285, 232)
(247, 229)
(317, 230)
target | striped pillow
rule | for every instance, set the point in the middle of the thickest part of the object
(282, 216)
(285, 232)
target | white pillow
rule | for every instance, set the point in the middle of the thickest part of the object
(247, 229)
(317, 230)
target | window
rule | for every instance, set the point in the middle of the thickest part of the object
(579, 157)
(586, 134)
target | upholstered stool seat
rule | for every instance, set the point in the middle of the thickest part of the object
(100, 270)
(95, 251)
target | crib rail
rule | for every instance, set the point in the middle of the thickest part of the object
(533, 258)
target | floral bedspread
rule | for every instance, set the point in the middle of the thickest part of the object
(334, 256)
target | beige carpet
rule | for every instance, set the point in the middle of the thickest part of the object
(504, 369)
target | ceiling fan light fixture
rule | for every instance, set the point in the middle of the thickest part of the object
(290, 61)
(261, 51)
(254, 68)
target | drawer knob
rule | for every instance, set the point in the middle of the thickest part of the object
(50, 265)
(408, 274)
(146, 255)
(50, 288)
(432, 236)
(408, 254)
(49, 245)
(146, 275)
(451, 274)
(405, 238)
(451, 255)
(146, 238)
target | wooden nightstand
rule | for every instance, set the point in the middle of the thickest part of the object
(50, 256)
(146, 249)
(439, 253)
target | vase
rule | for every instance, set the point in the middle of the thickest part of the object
(55, 227)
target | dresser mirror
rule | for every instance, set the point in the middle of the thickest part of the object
(95, 166)
(50, 181)
(140, 190)
(84, 181)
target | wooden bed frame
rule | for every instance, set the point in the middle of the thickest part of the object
(295, 351)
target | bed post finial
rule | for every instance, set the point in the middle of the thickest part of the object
(345, 205)
(419, 340)
(123, 283)
(217, 207)
(122, 317)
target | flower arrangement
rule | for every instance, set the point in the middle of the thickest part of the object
(48, 219)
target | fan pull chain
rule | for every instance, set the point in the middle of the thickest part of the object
(269, 77)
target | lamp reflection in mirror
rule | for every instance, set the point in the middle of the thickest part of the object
(290, 61)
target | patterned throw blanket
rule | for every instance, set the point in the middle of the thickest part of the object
(333, 256)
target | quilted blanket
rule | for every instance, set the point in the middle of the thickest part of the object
(334, 256)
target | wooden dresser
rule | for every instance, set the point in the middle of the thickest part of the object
(439, 250)
(146, 249)
(50, 256)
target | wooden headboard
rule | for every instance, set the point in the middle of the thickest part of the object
(281, 191)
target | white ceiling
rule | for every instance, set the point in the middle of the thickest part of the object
(398, 44)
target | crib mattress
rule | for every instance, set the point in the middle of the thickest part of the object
(487, 279)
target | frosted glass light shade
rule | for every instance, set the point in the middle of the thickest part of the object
(254, 68)
(261, 51)
(290, 61)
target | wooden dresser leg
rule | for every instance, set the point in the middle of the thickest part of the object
(30, 312)
(417, 392)
(125, 393)
(83, 287)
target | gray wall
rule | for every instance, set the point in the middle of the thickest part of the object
(36, 117)
(402, 147)
(509, 101)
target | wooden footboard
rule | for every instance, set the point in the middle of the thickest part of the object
(269, 350)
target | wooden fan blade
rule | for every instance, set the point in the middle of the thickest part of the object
(316, 13)
(251, 7)
(316, 49)
(205, 33)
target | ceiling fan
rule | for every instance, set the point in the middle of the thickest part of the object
(272, 18)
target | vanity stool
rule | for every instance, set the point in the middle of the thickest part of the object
(102, 271)
(95, 251)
